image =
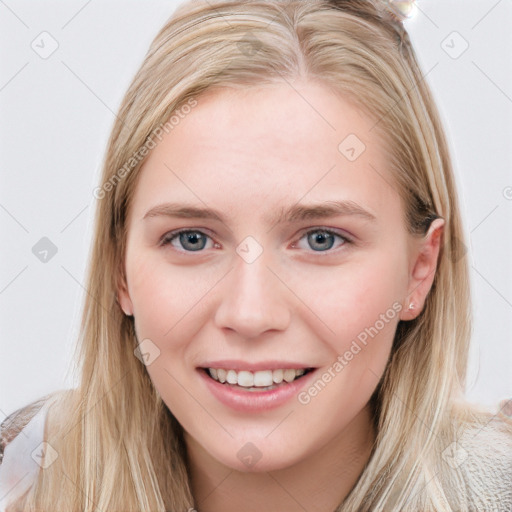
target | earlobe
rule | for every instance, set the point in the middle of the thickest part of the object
(123, 298)
(423, 270)
(125, 304)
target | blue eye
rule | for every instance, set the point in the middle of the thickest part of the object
(321, 240)
(190, 240)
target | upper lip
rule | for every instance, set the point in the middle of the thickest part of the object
(237, 365)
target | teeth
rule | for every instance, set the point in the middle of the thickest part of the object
(289, 375)
(263, 378)
(277, 376)
(245, 379)
(259, 379)
(232, 377)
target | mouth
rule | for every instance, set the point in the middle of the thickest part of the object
(256, 381)
(255, 387)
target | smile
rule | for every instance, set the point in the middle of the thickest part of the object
(257, 381)
(256, 390)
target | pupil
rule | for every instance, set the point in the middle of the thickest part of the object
(321, 237)
(194, 239)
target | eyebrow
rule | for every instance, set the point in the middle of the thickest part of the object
(295, 213)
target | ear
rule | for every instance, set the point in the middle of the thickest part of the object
(424, 260)
(123, 296)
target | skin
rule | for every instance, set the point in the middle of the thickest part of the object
(248, 154)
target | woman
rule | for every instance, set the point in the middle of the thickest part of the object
(277, 313)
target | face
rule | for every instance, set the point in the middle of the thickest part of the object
(293, 256)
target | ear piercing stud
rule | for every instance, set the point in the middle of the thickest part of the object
(411, 305)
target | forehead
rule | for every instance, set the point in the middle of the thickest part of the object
(265, 145)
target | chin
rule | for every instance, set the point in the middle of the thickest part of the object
(251, 459)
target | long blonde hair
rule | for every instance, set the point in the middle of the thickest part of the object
(119, 446)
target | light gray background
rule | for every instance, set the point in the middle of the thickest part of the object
(56, 113)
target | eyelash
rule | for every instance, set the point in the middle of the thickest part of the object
(169, 237)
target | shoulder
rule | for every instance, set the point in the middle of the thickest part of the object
(484, 459)
(491, 441)
(12, 426)
(21, 447)
(505, 410)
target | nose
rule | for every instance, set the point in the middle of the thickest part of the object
(253, 300)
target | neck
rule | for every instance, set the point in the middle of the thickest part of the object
(318, 483)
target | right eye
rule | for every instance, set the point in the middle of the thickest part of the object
(191, 240)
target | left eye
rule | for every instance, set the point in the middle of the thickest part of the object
(321, 240)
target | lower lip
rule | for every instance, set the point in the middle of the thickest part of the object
(254, 401)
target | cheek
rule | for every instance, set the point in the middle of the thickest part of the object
(360, 310)
(163, 295)
(152, 301)
(168, 308)
(357, 303)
